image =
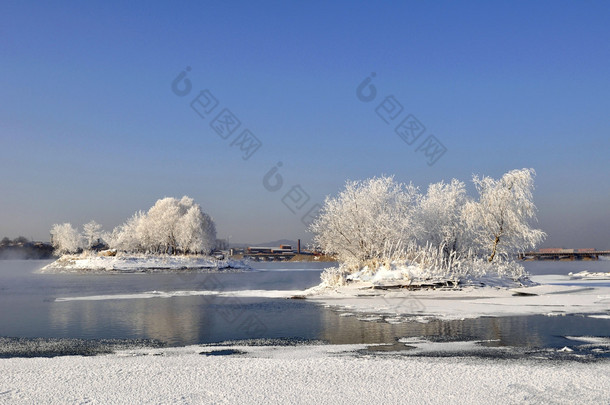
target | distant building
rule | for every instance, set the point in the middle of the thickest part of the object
(282, 249)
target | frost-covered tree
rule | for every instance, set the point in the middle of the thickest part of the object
(65, 239)
(439, 215)
(196, 232)
(158, 227)
(171, 226)
(499, 222)
(369, 220)
(444, 233)
(125, 237)
(92, 234)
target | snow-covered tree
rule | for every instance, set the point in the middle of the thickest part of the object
(439, 214)
(65, 239)
(125, 237)
(158, 228)
(499, 222)
(92, 234)
(444, 233)
(368, 220)
(196, 232)
(170, 226)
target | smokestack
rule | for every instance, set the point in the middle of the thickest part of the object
(299, 246)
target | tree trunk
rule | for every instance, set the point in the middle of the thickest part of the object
(493, 250)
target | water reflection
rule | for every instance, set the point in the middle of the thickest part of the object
(186, 320)
(193, 320)
(518, 331)
(173, 320)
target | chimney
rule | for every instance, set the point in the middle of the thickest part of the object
(299, 246)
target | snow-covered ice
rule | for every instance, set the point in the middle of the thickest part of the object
(171, 294)
(321, 374)
(550, 299)
(586, 275)
(135, 296)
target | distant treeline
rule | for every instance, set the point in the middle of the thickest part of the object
(22, 248)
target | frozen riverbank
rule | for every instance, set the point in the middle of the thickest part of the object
(550, 299)
(319, 374)
(141, 263)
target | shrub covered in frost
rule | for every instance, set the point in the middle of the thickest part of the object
(444, 232)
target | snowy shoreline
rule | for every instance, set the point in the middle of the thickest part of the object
(552, 298)
(323, 374)
(141, 263)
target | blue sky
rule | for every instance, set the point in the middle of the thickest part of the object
(90, 127)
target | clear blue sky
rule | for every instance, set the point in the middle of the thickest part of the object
(90, 127)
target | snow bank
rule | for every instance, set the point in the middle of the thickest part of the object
(470, 301)
(410, 293)
(585, 275)
(301, 374)
(139, 263)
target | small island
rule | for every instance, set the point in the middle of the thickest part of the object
(388, 235)
(173, 235)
